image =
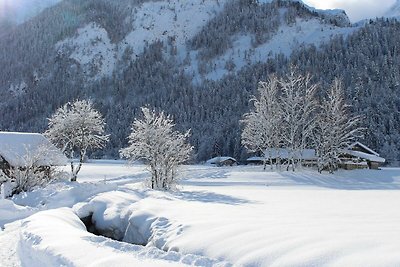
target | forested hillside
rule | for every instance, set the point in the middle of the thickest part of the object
(202, 69)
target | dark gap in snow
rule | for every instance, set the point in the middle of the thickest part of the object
(108, 233)
(90, 227)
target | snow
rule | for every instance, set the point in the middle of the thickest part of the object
(352, 146)
(173, 20)
(217, 160)
(219, 216)
(40, 245)
(161, 20)
(287, 39)
(153, 21)
(283, 153)
(92, 49)
(11, 212)
(17, 148)
(363, 155)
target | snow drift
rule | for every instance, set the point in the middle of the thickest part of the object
(63, 241)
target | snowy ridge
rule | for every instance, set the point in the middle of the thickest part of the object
(339, 15)
(288, 39)
(175, 23)
(161, 20)
(172, 20)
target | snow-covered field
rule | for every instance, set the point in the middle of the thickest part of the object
(237, 216)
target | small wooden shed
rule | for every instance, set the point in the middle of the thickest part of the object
(222, 161)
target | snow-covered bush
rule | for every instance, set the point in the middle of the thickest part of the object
(75, 128)
(154, 140)
(33, 173)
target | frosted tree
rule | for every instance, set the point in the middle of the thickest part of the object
(336, 129)
(76, 128)
(154, 140)
(261, 125)
(298, 104)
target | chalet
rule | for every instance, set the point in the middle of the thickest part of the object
(222, 161)
(359, 156)
(18, 149)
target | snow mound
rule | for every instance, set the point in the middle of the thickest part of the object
(40, 246)
(10, 212)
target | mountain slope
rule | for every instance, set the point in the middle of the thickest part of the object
(95, 36)
(198, 60)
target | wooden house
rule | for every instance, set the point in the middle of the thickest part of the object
(21, 150)
(222, 161)
(359, 156)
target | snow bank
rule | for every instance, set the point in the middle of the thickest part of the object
(238, 214)
(63, 194)
(10, 212)
(45, 244)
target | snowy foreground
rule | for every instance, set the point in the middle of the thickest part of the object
(238, 216)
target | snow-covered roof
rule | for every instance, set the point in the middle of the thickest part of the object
(18, 148)
(364, 147)
(255, 159)
(217, 160)
(283, 153)
(363, 155)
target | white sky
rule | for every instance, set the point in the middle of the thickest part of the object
(355, 9)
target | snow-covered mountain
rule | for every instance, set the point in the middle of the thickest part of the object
(199, 60)
(177, 23)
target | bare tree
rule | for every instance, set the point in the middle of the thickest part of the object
(261, 125)
(336, 128)
(298, 104)
(154, 140)
(75, 128)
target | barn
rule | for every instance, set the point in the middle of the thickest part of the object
(222, 161)
(359, 156)
(21, 150)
